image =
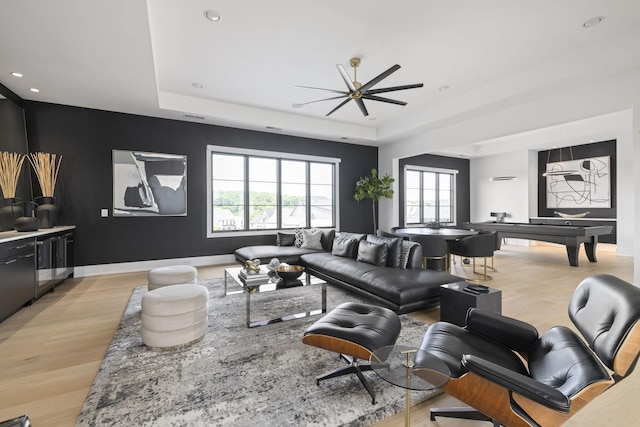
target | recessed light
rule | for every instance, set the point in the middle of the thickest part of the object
(33, 89)
(16, 74)
(212, 15)
(593, 21)
(197, 85)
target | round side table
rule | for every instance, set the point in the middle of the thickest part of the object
(411, 369)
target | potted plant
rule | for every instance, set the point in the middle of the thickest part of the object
(10, 167)
(46, 166)
(374, 187)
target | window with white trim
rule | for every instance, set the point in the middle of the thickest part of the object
(250, 191)
(429, 195)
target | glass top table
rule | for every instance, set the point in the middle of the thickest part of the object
(270, 282)
(411, 369)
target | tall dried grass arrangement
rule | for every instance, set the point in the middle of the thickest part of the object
(46, 167)
(10, 167)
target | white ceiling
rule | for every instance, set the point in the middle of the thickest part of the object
(143, 58)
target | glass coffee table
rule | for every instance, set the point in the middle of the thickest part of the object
(271, 283)
(411, 369)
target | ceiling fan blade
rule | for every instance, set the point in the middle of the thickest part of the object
(362, 107)
(341, 104)
(381, 99)
(377, 79)
(321, 88)
(394, 88)
(324, 99)
(346, 78)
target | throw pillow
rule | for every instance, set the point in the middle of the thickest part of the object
(372, 253)
(406, 251)
(327, 239)
(298, 239)
(348, 235)
(344, 247)
(395, 248)
(311, 239)
(285, 239)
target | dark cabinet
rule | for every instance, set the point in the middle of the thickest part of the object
(17, 275)
(54, 260)
(32, 263)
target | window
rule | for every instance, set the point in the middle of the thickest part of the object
(252, 190)
(429, 195)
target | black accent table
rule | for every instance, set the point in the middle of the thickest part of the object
(457, 298)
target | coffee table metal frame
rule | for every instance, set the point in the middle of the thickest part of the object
(272, 284)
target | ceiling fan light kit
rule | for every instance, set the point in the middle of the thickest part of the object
(358, 92)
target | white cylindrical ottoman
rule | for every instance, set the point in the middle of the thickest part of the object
(174, 316)
(171, 275)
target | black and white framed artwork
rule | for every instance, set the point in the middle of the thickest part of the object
(149, 184)
(583, 183)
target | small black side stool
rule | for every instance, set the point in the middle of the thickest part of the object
(355, 331)
(457, 298)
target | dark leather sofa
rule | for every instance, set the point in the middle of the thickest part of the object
(401, 288)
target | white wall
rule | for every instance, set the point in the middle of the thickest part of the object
(500, 196)
(615, 100)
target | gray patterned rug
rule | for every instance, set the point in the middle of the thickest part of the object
(239, 376)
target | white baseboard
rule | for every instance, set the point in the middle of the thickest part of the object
(132, 267)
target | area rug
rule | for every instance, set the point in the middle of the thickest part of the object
(238, 376)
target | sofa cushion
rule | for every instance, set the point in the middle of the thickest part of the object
(288, 254)
(311, 238)
(344, 247)
(285, 239)
(399, 286)
(395, 248)
(372, 253)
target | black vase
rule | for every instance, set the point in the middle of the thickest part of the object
(47, 212)
(9, 212)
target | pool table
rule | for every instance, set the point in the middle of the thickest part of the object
(569, 235)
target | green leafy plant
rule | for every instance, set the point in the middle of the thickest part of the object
(374, 187)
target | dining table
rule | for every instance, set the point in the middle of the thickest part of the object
(445, 233)
(448, 234)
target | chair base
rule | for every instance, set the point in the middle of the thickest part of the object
(484, 277)
(465, 413)
(354, 367)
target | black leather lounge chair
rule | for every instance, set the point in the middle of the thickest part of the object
(511, 376)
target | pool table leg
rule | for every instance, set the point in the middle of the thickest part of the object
(572, 253)
(590, 249)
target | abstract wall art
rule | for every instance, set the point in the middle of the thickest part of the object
(581, 183)
(149, 184)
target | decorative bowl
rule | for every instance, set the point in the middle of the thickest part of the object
(289, 272)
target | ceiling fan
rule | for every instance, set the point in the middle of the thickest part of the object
(359, 92)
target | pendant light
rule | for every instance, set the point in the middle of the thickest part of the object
(564, 172)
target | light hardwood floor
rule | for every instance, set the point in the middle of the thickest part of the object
(51, 351)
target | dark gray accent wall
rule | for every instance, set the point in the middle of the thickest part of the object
(596, 149)
(85, 138)
(13, 139)
(463, 209)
